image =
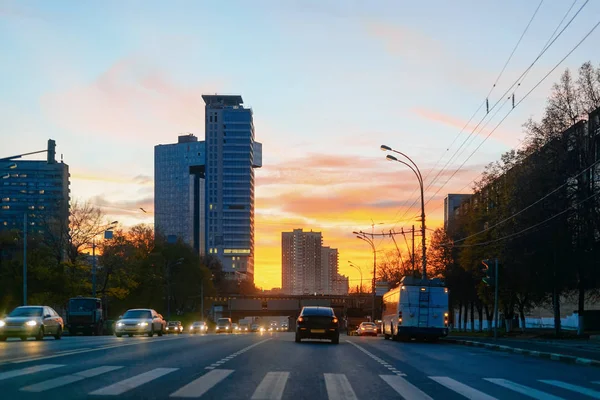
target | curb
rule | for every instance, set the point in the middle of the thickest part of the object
(540, 354)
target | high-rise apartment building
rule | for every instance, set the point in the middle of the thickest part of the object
(179, 190)
(231, 156)
(308, 267)
(301, 262)
(36, 190)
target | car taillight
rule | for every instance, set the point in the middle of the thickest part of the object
(334, 320)
(400, 317)
(300, 319)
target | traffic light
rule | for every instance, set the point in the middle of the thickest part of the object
(489, 272)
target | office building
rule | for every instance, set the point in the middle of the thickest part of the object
(36, 190)
(329, 270)
(231, 156)
(179, 191)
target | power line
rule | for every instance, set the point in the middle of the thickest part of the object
(516, 105)
(517, 82)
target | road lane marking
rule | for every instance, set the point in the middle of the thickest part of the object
(461, 388)
(338, 387)
(233, 355)
(272, 386)
(574, 388)
(404, 388)
(391, 368)
(67, 379)
(527, 391)
(73, 352)
(133, 382)
(28, 370)
(203, 384)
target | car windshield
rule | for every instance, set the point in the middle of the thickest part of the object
(173, 323)
(198, 323)
(222, 321)
(368, 324)
(78, 305)
(26, 312)
(135, 314)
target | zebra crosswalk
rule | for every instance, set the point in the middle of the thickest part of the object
(273, 384)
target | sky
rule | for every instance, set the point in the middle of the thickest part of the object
(328, 81)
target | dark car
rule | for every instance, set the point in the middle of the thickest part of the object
(317, 323)
(174, 327)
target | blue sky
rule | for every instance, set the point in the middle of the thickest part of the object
(329, 81)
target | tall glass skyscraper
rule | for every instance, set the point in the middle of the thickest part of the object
(231, 156)
(179, 191)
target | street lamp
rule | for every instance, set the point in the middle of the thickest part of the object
(413, 166)
(362, 236)
(108, 229)
(361, 275)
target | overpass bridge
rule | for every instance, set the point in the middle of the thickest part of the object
(237, 307)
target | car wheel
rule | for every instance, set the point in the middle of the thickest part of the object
(118, 334)
(336, 340)
(23, 338)
(40, 334)
(58, 335)
(160, 333)
(130, 334)
(298, 338)
(151, 333)
(2, 338)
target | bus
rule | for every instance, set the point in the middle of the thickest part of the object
(417, 308)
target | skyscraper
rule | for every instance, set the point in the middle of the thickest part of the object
(231, 156)
(38, 189)
(329, 270)
(179, 190)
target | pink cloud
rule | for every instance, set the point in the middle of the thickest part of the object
(459, 123)
(131, 100)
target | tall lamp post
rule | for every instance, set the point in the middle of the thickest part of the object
(171, 264)
(94, 267)
(360, 271)
(413, 166)
(364, 237)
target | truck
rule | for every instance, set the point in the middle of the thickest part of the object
(417, 308)
(84, 315)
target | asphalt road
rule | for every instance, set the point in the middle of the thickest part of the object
(272, 366)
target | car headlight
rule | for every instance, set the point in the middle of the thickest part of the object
(31, 323)
(2, 323)
(143, 324)
(120, 324)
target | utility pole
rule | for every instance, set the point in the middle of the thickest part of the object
(496, 303)
(202, 299)
(93, 267)
(25, 259)
(413, 247)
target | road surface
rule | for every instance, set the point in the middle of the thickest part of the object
(273, 366)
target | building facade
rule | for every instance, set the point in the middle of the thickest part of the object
(452, 204)
(37, 191)
(232, 154)
(179, 190)
(308, 267)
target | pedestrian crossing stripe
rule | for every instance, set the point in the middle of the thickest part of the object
(274, 383)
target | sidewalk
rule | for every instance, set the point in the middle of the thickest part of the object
(582, 351)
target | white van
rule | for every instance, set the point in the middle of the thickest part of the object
(417, 308)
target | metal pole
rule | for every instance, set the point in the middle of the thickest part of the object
(374, 274)
(496, 304)
(423, 231)
(168, 291)
(93, 267)
(202, 300)
(25, 259)
(413, 248)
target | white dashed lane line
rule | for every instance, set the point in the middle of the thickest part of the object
(383, 363)
(232, 356)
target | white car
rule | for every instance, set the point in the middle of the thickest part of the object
(143, 321)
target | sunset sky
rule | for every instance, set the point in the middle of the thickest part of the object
(329, 82)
